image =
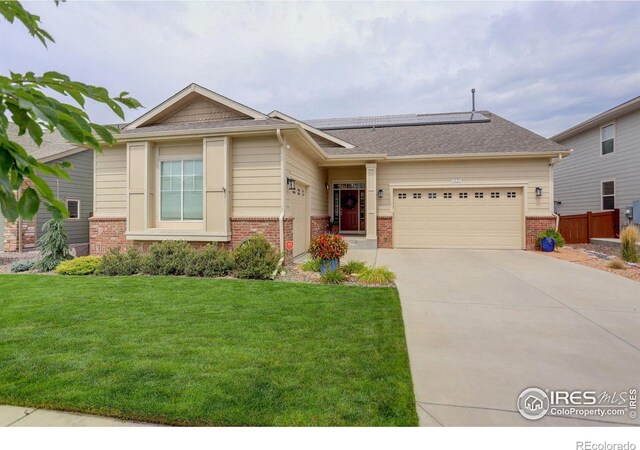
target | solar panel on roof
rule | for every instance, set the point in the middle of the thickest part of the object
(398, 120)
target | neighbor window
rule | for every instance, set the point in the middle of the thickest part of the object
(181, 188)
(73, 206)
(606, 139)
(608, 195)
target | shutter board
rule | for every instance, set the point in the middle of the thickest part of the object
(217, 185)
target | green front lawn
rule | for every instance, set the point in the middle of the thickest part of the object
(205, 352)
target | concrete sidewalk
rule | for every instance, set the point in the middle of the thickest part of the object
(20, 416)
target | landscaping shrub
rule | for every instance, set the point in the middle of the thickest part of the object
(552, 234)
(333, 277)
(54, 246)
(328, 246)
(353, 267)
(311, 265)
(616, 263)
(376, 275)
(116, 262)
(85, 265)
(22, 266)
(628, 239)
(256, 258)
(167, 258)
(210, 261)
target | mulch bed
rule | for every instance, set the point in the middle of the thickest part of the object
(294, 274)
(595, 256)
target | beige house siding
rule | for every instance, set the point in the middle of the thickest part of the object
(111, 182)
(303, 168)
(256, 177)
(534, 172)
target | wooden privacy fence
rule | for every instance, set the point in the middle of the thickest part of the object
(580, 228)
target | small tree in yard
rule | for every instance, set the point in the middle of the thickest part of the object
(23, 99)
(54, 246)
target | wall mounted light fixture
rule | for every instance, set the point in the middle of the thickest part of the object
(291, 184)
(380, 193)
(538, 192)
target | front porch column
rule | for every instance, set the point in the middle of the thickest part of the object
(371, 203)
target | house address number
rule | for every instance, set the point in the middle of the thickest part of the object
(456, 180)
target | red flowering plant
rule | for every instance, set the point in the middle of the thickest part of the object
(328, 246)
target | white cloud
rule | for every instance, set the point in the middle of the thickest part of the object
(542, 65)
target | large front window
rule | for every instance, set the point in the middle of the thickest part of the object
(181, 188)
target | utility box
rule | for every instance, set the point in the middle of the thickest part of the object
(636, 212)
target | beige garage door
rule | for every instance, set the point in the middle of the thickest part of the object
(298, 210)
(458, 218)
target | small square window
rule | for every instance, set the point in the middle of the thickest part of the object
(448, 195)
(402, 195)
(495, 195)
(479, 195)
(462, 195)
(417, 195)
(433, 195)
(511, 195)
(74, 208)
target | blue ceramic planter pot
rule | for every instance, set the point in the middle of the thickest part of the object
(548, 244)
(329, 265)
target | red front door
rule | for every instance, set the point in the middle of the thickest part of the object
(349, 210)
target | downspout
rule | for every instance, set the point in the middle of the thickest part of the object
(283, 192)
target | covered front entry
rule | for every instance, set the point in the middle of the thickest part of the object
(480, 217)
(349, 207)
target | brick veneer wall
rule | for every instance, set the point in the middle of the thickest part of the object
(385, 231)
(106, 233)
(536, 224)
(11, 234)
(109, 232)
(319, 225)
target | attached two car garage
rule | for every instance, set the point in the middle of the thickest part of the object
(461, 217)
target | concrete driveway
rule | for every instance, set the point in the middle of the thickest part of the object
(484, 325)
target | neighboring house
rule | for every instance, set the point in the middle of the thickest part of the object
(203, 168)
(77, 193)
(603, 172)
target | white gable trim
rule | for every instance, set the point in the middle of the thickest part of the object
(194, 88)
(310, 129)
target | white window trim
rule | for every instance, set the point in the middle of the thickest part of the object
(183, 157)
(614, 138)
(608, 195)
(66, 203)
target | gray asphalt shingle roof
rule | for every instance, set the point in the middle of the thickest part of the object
(495, 136)
(52, 143)
(396, 120)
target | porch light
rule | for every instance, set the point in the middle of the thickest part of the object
(538, 192)
(380, 193)
(291, 184)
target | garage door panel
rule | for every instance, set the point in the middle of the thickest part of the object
(473, 221)
(298, 210)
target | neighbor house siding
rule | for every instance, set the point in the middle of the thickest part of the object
(535, 172)
(578, 178)
(80, 187)
(111, 182)
(256, 177)
(302, 167)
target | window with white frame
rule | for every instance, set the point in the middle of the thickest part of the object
(73, 206)
(608, 195)
(181, 190)
(606, 139)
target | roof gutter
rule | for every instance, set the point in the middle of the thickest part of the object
(198, 133)
(283, 193)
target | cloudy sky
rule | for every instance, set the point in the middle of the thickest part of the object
(545, 66)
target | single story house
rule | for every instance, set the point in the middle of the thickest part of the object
(603, 171)
(77, 193)
(203, 168)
